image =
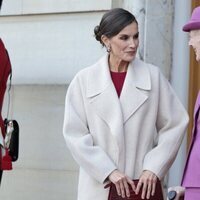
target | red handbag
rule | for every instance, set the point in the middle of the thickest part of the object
(114, 196)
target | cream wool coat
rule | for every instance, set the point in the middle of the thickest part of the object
(141, 130)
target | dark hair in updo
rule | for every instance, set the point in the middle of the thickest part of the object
(113, 22)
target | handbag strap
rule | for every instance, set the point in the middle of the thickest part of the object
(9, 87)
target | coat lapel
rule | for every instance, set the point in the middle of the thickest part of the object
(133, 96)
(105, 102)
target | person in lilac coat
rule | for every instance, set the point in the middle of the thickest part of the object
(191, 175)
(190, 186)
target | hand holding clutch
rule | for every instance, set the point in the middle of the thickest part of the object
(113, 195)
(121, 183)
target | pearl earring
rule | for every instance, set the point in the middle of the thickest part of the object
(108, 48)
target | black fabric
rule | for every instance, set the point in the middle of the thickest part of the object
(1, 172)
(1, 3)
(13, 148)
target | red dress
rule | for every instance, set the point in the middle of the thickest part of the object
(118, 80)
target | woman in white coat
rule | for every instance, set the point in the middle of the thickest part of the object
(122, 119)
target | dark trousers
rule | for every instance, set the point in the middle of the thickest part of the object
(1, 172)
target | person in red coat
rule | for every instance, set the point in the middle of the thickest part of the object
(5, 70)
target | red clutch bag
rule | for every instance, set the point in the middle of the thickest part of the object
(114, 196)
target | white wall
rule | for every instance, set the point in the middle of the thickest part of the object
(50, 40)
(23, 7)
(45, 169)
(47, 49)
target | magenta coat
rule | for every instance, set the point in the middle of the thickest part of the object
(191, 175)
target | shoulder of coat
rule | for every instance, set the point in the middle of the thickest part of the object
(81, 76)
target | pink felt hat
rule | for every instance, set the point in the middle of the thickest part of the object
(194, 22)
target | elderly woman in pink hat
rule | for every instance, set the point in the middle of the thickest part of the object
(190, 188)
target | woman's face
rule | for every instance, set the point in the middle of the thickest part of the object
(194, 41)
(124, 45)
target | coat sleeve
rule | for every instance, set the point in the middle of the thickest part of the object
(171, 124)
(90, 157)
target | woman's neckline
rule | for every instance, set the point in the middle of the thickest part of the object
(118, 72)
